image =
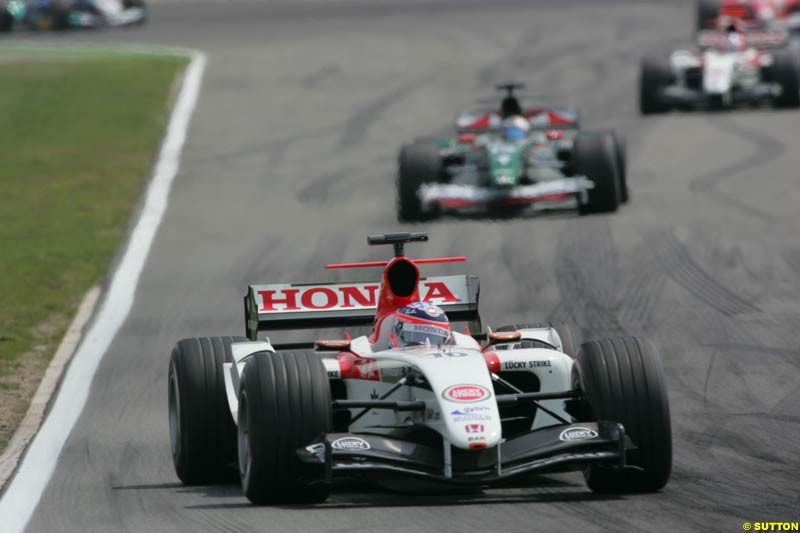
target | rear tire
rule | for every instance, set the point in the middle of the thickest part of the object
(707, 12)
(595, 157)
(6, 20)
(568, 344)
(623, 381)
(784, 71)
(60, 15)
(655, 76)
(202, 432)
(419, 163)
(620, 152)
(284, 404)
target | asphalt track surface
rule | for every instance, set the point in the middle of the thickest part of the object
(290, 162)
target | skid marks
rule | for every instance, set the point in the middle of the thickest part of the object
(642, 290)
(587, 276)
(678, 263)
(355, 129)
(766, 149)
(316, 191)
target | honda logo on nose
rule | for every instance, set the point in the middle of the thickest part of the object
(474, 428)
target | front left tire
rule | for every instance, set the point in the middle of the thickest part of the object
(623, 381)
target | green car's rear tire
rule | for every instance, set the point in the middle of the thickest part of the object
(623, 381)
(595, 157)
(419, 163)
(284, 404)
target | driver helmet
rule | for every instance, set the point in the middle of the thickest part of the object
(515, 128)
(732, 40)
(420, 322)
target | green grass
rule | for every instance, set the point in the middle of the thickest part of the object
(78, 135)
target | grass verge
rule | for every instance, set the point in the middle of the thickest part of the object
(78, 135)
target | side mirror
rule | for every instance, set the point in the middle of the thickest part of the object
(336, 345)
(500, 337)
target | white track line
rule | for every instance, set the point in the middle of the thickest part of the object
(23, 493)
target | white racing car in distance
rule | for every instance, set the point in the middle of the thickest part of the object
(415, 399)
(729, 68)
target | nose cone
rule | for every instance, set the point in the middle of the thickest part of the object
(472, 424)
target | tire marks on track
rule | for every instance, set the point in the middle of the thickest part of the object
(680, 266)
(587, 274)
(766, 148)
(357, 126)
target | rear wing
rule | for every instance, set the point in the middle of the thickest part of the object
(540, 118)
(324, 305)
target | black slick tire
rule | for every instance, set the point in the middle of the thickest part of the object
(59, 12)
(620, 152)
(419, 163)
(6, 19)
(707, 13)
(569, 345)
(202, 431)
(623, 381)
(654, 77)
(284, 404)
(595, 157)
(784, 71)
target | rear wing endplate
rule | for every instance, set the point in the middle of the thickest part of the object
(326, 305)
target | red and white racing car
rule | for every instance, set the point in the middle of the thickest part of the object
(731, 66)
(783, 15)
(414, 399)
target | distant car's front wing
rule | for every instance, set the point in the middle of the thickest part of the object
(557, 193)
(679, 96)
(556, 448)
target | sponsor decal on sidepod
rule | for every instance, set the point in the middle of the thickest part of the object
(350, 443)
(577, 433)
(466, 393)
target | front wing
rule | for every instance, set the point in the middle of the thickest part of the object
(550, 193)
(545, 450)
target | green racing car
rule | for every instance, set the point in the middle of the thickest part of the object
(502, 162)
